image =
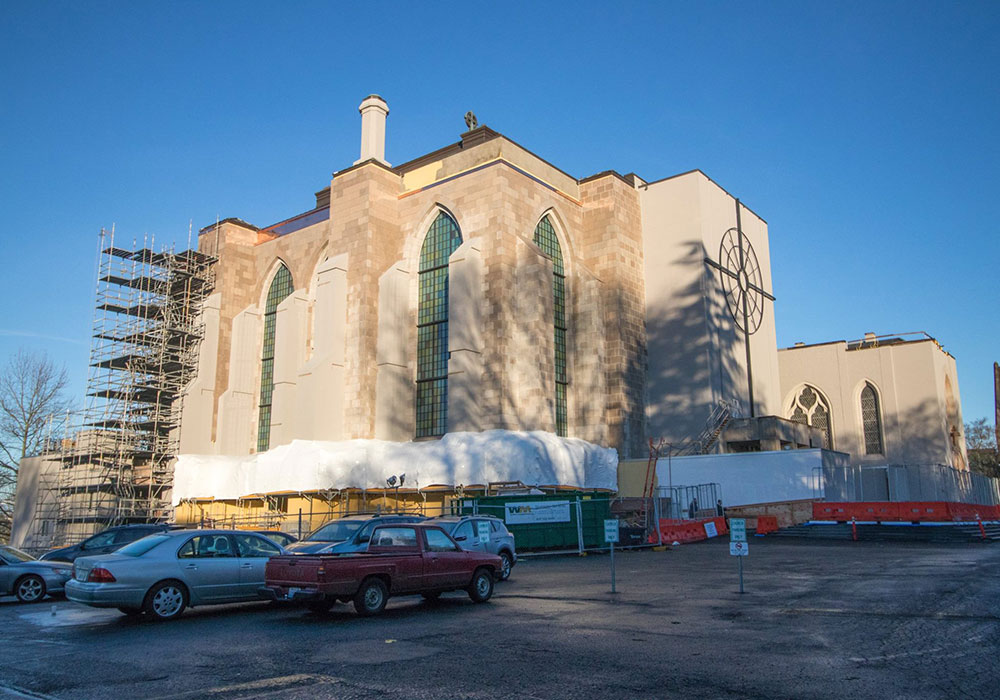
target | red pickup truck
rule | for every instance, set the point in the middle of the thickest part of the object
(402, 559)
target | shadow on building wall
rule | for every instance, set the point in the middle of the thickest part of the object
(693, 363)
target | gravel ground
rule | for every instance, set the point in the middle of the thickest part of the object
(818, 620)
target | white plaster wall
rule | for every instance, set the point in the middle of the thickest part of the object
(290, 329)
(587, 350)
(465, 337)
(319, 411)
(910, 382)
(199, 397)
(945, 367)
(750, 477)
(238, 404)
(533, 363)
(696, 354)
(394, 390)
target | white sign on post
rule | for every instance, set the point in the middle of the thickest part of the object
(483, 531)
(739, 549)
(737, 530)
(610, 531)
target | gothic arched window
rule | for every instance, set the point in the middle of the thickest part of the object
(871, 420)
(441, 241)
(545, 238)
(281, 287)
(811, 408)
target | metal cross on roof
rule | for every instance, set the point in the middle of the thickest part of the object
(739, 273)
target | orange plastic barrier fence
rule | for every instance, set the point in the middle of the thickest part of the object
(688, 530)
(907, 511)
(766, 524)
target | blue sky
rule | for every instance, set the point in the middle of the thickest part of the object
(864, 133)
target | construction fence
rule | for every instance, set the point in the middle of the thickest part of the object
(554, 520)
(909, 482)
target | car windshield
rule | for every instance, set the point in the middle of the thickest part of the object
(337, 531)
(14, 555)
(140, 547)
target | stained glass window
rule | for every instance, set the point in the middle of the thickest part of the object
(545, 238)
(811, 408)
(281, 287)
(871, 420)
(442, 240)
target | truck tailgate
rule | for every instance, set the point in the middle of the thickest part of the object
(293, 571)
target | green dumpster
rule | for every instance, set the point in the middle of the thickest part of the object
(548, 521)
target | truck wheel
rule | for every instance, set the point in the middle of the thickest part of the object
(321, 606)
(371, 597)
(481, 588)
(506, 564)
(30, 589)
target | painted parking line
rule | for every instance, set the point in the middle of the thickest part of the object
(13, 691)
(258, 687)
(890, 614)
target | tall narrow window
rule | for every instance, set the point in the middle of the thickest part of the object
(281, 287)
(545, 238)
(871, 420)
(811, 408)
(442, 240)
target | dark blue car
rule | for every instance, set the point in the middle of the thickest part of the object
(104, 542)
(348, 534)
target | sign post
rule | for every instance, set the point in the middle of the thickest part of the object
(738, 543)
(611, 536)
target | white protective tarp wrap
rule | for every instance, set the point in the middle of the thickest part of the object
(534, 458)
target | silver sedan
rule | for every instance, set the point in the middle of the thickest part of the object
(164, 573)
(29, 579)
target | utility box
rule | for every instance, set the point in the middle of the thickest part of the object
(548, 521)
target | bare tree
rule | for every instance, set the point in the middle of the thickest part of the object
(31, 395)
(981, 442)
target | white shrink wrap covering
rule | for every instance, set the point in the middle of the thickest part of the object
(534, 458)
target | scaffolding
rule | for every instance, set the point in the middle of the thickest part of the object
(114, 465)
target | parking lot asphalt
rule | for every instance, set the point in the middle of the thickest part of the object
(818, 620)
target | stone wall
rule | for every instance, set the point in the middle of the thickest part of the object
(501, 371)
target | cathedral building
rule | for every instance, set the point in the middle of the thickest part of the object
(475, 315)
(473, 288)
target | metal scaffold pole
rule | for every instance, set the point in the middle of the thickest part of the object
(114, 463)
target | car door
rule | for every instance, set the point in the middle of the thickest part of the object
(6, 576)
(254, 552)
(446, 565)
(465, 535)
(210, 568)
(408, 569)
